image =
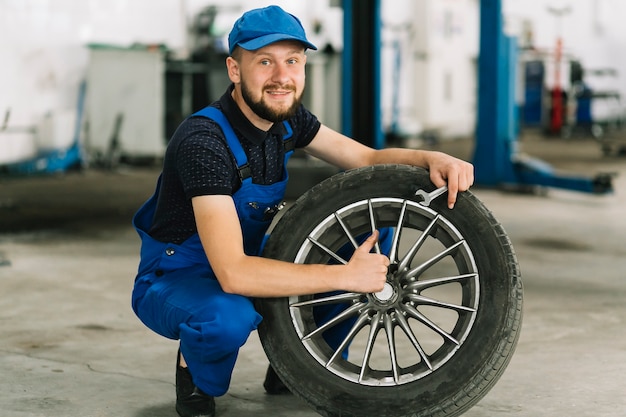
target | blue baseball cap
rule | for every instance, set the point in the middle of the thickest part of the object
(260, 27)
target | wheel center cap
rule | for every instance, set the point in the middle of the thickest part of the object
(385, 294)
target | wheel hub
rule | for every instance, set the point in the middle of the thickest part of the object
(386, 295)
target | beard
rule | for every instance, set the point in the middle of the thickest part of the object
(264, 111)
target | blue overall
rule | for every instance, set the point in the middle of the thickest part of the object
(176, 293)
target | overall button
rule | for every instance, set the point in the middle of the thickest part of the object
(159, 273)
(170, 251)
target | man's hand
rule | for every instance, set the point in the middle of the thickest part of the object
(367, 271)
(448, 170)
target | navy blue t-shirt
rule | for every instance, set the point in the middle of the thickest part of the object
(198, 162)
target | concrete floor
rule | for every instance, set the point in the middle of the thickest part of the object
(71, 346)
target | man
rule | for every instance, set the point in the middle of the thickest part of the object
(223, 172)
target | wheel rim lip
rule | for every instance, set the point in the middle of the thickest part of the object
(349, 371)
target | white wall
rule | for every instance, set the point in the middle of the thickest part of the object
(43, 42)
(43, 45)
(44, 60)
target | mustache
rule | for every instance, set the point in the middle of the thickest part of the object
(289, 87)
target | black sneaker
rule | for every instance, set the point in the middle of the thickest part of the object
(273, 385)
(190, 400)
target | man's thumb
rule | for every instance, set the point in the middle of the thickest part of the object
(369, 242)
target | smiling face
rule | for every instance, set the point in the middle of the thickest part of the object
(269, 81)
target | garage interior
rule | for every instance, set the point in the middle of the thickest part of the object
(547, 142)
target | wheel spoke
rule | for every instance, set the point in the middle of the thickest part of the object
(393, 256)
(425, 320)
(328, 251)
(429, 283)
(420, 299)
(358, 325)
(331, 299)
(348, 312)
(369, 347)
(391, 342)
(417, 245)
(370, 210)
(406, 328)
(349, 235)
(417, 271)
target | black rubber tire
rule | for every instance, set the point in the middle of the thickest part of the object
(487, 332)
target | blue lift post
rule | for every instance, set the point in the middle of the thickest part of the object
(497, 160)
(361, 113)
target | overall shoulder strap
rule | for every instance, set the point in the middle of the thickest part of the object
(231, 138)
(288, 142)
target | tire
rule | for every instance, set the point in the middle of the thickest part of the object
(451, 309)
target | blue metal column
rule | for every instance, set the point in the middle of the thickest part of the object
(496, 158)
(493, 127)
(361, 97)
